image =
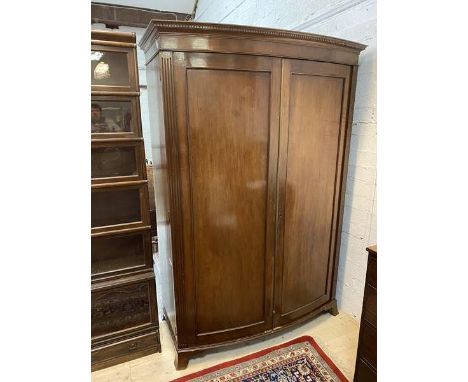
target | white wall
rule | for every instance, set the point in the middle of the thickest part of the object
(182, 6)
(145, 124)
(354, 20)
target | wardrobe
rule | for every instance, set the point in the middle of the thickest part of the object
(250, 130)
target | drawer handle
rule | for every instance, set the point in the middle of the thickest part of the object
(133, 345)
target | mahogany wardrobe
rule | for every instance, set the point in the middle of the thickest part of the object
(250, 133)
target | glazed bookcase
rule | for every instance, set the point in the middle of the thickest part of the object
(124, 323)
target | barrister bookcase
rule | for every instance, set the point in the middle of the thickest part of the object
(124, 323)
(250, 131)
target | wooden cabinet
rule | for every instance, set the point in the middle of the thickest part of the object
(366, 360)
(250, 131)
(124, 323)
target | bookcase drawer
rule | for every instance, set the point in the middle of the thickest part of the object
(135, 347)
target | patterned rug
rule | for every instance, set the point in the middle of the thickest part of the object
(299, 360)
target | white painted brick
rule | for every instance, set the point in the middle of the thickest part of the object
(373, 231)
(366, 91)
(362, 158)
(365, 114)
(359, 202)
(362, 173)
(214, 11)
(364, 143)
(351, 248)
(349, 18)
(365, 110)
(356, 222)
(360, 188)
(364, 128)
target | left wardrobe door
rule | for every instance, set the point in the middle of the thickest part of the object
(227, 109)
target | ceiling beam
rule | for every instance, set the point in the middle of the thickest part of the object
(121, 15)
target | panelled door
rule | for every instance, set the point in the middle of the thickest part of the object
(314, 99)
(227, 110)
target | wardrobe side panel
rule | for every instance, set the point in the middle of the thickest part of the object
(161, 187)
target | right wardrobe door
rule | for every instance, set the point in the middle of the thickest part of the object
(314, 112)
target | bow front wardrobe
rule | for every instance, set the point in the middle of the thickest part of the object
(250, 131)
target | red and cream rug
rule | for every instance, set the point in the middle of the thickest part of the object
(299, 360)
